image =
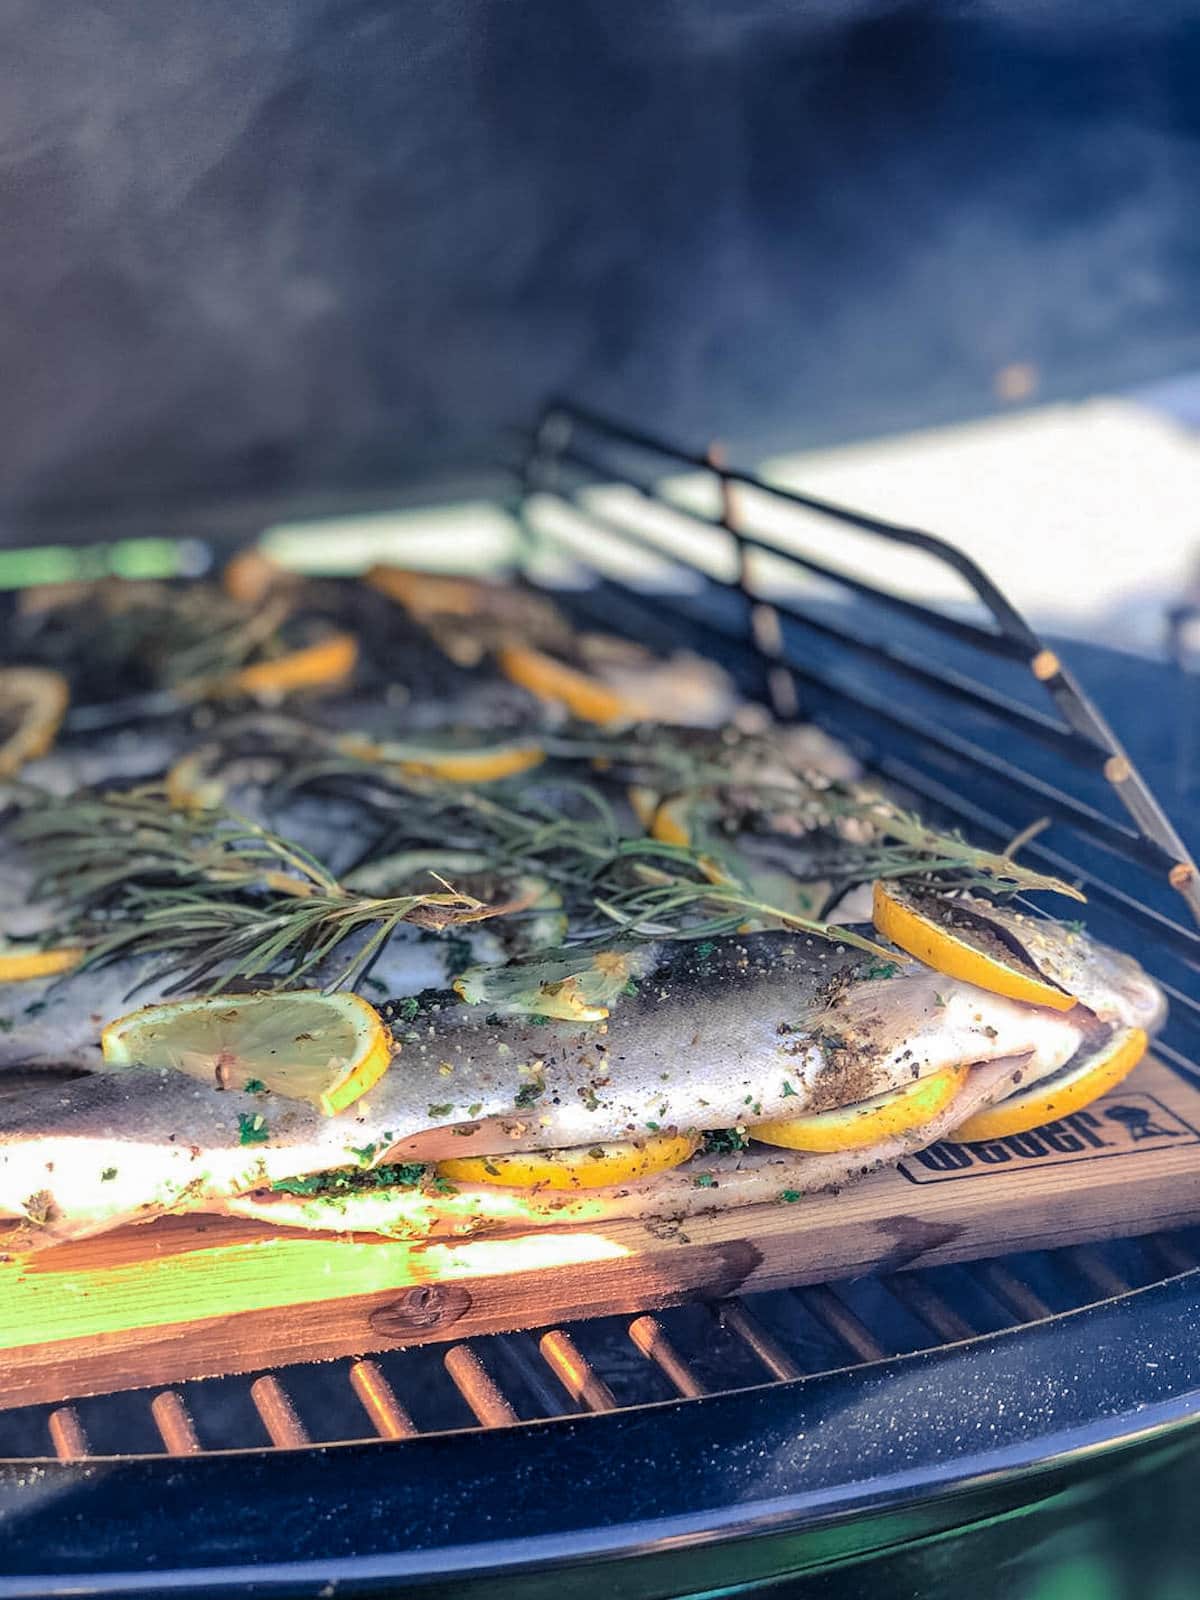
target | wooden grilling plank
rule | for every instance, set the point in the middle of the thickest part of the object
(189, 1297)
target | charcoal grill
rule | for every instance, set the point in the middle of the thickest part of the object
(716, 1443)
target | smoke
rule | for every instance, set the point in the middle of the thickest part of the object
(320, 247)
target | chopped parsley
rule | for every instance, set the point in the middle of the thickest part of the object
(525, 1095)
(353, 1180)
(705, 1180)
(725, 1141)
(882, 969)
(629, 986)
(705, 948)
(108, 1174)
(788, 1091)
(408, 1008)
(254, 1086)
(473, 1111)
(790, 1196)
(364, 1154)
(252, 1129)
(443, 1110)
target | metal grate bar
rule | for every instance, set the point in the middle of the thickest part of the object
(1068, 741)
(577, 1376)
(478, 1388)
(67, 1434)
(1117, 837)
(388, 1417)
(561, 415)
(1014, 1295)
(734, 1315)
(1095, 1271)
(1088, 729)
(929, 1307)
(1183, 941)
(174, 1423)
(278, 1414)
(1171, 1252)
(648, 1335)
(953, 627)
(831, 1312)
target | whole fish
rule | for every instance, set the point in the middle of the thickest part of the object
(720, 1035)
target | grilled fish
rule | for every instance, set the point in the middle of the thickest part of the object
(729, 1034)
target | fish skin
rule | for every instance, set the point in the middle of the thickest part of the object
(749, 1177)
(700, 1045)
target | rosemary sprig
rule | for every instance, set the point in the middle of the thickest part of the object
(217, 892)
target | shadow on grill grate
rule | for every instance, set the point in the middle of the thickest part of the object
(603, 1364)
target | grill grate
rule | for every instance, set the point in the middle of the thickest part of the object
(984, 751)
(966, 710)
(602, 1364)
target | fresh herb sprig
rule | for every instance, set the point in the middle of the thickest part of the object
(215, 894)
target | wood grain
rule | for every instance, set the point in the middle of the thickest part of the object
(189, 1297)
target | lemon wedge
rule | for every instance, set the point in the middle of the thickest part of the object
(959, 952)
(596, 1166)
(18, 965)
(33, 702)
(326, 1049)
(869, 1121)
(1069, 1089)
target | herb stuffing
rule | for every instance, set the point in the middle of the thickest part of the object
(356, 1180)
(725, 1141)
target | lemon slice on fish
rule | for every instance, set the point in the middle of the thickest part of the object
(1069, 1089)
(461, 763)
(20, 964)
(33, 702)
(960, 952)
(585, 697)
(250, 575)
(596, 1166)
(313, 666)
(869, 1121)
(429, 594)
(326, 1049)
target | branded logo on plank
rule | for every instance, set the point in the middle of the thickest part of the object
(1120, 1125)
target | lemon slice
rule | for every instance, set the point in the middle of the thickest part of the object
(672, 822)
(1069, 1089)
(645, 802)
(596, 1166)
(869, 1121)
(33, 702)
(19, 965)
(550, 679)
(453, 763)
(429, 594)
(312, 667)
(327, 1049)
(959, 952)
(250, 575)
